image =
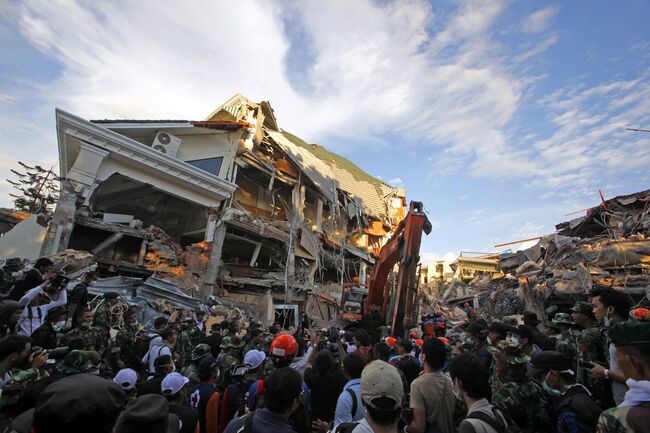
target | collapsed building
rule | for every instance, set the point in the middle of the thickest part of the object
(232, 207)
(608, 246)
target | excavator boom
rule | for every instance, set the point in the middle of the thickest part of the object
(403, 249)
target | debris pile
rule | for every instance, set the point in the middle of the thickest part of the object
(609, 246)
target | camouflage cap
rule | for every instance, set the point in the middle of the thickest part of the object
(583, 307)
(562, 318)
(14, 387)
(200, 350)
(232, 342)
(632, 332)
(509, 352)
(77, 361)
(510, 321)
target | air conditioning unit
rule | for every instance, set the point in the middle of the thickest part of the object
(166, 143)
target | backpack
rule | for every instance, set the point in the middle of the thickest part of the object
(345, 427)
(142, 344)
(495, 422)
(354, 401)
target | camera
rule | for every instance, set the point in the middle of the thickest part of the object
(59, 352)
(57, 283)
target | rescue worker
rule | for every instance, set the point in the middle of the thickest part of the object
(576, 410)
(632, 342)
(519, 397)
(567, 342)
(228, 358)
(127, 339)
(103, 317)
(192, 370)
(92, 337)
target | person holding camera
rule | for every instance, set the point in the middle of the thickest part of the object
(38, 301)
(42, 270)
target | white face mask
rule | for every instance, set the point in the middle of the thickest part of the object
(514, 340)
(58, 326)
(490, 342)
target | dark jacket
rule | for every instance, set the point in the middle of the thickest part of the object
(264, 421)
(189, 416)
(543, 341)
(45, 336)
(577, 411)
(214, 341)
(324, 391)
(151, 386)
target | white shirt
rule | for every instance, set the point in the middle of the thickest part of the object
(26, 325)
(156, 351)
(618, 389)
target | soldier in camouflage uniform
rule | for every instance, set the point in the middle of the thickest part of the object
(103, 317)
(6, 274)
(184, 347)
(592, 348)
(93, 338)
(229, 357)
(14, 390)
(192, 370)
(632, 341)
(518, 396)
(567, 342)
(256, 342)
(127, 339)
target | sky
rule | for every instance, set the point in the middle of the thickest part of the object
(501, 116)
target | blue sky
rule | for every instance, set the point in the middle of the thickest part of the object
(500, 116)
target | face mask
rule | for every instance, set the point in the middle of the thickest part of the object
(551, 391)
(607, 321)
(490, 341)
(456, 392)
(470, 341)
(85, 324)
(514, 340)
(58, 326)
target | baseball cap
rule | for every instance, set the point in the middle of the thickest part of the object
(173, 383)
(549, 360)
(208, 363)
(126, 378)
(381, 380)
(254, 358)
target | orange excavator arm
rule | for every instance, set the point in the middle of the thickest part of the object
(402, 248)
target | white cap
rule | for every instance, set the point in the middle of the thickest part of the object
(254, 358)
(126, 378)
(173, 383)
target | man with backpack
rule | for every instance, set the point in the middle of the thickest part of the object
(381, 394)
(348, 407)
(471, 382)
(282, 388)
(162, 347)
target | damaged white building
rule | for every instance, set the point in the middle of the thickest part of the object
(231, 206)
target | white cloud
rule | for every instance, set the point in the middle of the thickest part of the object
(539, 20)
(396, 182)
(440, 80)
(5, 98)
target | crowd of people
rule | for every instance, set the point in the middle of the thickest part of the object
(73, 363)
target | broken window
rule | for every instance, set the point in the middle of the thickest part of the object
(211, 165)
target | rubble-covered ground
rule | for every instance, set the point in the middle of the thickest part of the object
(609, 246)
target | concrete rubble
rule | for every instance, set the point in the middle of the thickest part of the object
(609, 246)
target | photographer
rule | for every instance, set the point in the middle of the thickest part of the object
(42, 270)
(78, 299)
(16, 354)
(36, 305)
(48, 334)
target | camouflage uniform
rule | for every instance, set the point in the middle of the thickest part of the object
(102, 318)
(78, 362)
(592, 347)
(567, 342)
(93, 338)
(196, 336)
(127, 340)
(521, 398)
(183, 348)
(192, 370)
(227, 360)
(624, 419)
(14, 389)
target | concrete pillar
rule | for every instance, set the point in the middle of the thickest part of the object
(213, 267)
(62, 222)
(363, 272)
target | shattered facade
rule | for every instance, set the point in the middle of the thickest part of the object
(232, 206)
